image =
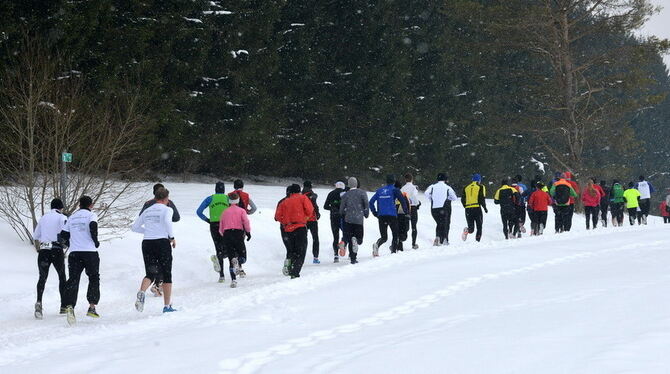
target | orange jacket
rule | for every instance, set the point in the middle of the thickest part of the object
(294, 212)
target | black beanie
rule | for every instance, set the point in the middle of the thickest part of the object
(307, 184)
(220, 187)
(441, 177)
(56, 204)
(294, 188)
(390, 179)
(239, 183)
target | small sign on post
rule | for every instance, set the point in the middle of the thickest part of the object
(67, 157)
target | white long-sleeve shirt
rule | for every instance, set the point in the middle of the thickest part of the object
(48, 228)
(155, 222)
(79, 227)
(412, 193)
(439, 193)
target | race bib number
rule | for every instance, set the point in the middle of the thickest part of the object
(45, 245)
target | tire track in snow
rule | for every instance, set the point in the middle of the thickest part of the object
(255, 361)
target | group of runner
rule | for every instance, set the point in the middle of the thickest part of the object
(395, 205)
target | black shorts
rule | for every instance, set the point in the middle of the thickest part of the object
(157, 255)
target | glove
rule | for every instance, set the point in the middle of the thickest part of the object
(207, 220)
(318, 215)
(97, 244)
(418, 206)
(248, 236)
(486, 210)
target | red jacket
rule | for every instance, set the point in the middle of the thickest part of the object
(294, 212)
(664, 210)
(539, 201)
(575, 186)
(589, 200)
(244, 199)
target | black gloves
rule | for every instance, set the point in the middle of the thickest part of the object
(97, 243)
(207, 220)
(486, 210)
(248, 236)
(318, 215)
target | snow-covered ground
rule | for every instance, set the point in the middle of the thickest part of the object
(581, 302)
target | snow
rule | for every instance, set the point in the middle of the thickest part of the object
(538, 164)
(580, 302)
(217, 12)
(196, 20)
(239, 52)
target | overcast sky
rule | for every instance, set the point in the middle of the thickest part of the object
(659, 24)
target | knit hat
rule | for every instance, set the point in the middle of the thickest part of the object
(239, 183)
(339, 184)
(476, 177)
(220, 187)
(390, 179)
(57, 204)
(307, 184)
(294, 188)
(441, 177)
(352, 182)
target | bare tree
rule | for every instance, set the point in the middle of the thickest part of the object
(44, 110)
(588, 83)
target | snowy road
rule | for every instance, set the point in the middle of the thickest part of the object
(582, 302)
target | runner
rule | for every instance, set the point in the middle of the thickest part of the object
(403, 216)
(617, 200)
(539, 203)
(646, 189)
(245, 200)
(604, 202)
(155, 223)
(313, 221)
(233, 227)
(382, 206)
(293, 214)
(81, 235)
(157, 286)
(332, 204)
(412, 194)
(473, 200)
(440, 195)
(50, 253)
(506, 197)
(632, 199)
(354, 209)
(284, 238)
(216, 204)
(563, 195)
(591, 200)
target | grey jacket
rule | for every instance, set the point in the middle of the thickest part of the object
(354, 207)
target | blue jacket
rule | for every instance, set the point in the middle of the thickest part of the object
(204, 205)
(385, 198)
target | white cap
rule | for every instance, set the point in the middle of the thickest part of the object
(339, 184)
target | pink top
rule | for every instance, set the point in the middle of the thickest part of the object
(234, 218)
(591, 200)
